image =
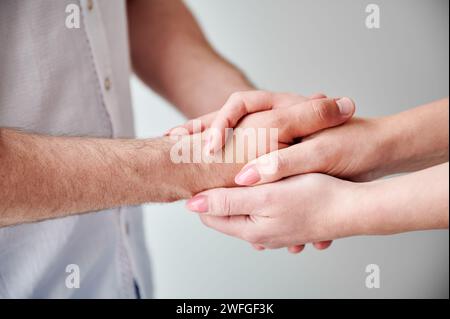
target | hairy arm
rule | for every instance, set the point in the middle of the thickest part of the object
(44, 177)
(170, 54)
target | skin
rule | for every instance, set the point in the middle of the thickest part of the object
(49, 177)
(361, 150)
(171, 55)
(367, 149)
(268, 215)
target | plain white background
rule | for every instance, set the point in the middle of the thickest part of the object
(307, 46)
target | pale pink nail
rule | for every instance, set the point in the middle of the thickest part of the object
(248, 176)
(345, 106)
(198, 204)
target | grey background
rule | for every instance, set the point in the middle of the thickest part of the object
(306, 47)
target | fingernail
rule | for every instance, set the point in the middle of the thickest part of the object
(198, 204)
(345, 106)
(248, 176)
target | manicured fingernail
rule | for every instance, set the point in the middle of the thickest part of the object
(198, 204)
(345, 106)
(248, 176)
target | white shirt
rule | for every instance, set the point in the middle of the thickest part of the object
(61, 81)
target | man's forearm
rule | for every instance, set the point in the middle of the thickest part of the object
(414, 139)
(170, 53)
(44, 177)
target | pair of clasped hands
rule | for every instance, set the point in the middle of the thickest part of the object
(319, 187)
(290, 206)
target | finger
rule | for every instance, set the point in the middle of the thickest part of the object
(237, 106)
(318, 96)
(321, 245)
(296, 249)
(315, 115)
(301, 158)
(236, 226)
(226, 201)
(193, 126)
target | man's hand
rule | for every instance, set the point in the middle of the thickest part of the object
(293, 115)
(47, 177)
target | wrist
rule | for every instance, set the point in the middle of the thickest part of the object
(190, 172)
(383, 150)
(405, 145)
(350, 209)
(391, 143)
(370, 208)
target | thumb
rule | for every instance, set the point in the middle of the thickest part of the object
(297, 159)
(315, 115)
(226, 201)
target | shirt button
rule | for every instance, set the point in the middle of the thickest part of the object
(90, 5)
(107, 84)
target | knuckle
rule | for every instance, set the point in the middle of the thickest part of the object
(320, 150)
(266, 95)
(322, 111)
(282, 165)
(225, 203)
(277, 120)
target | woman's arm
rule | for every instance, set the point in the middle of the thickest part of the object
(415, 139)
(416, 201)
(317, 207)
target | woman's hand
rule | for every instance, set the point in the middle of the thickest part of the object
(363, 149)
(316, 207)
(353, 151)
(293, 115)
(297, 210)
